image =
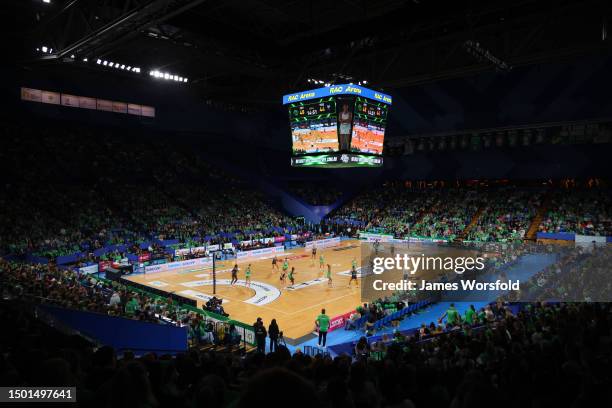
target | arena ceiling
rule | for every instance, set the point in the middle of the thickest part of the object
(253, 51)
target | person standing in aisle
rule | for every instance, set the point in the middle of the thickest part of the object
(273, 332)
(260, 335)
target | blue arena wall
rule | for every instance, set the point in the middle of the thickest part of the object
(570, 236)
(121, 333)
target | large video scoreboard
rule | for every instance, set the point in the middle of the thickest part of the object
(338, 126)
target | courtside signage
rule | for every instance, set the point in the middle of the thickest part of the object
(259, 252)
(322, 243)
(177, 265)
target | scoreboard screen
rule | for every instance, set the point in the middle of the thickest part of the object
(338, 126)
(314, 126)
(370, 119)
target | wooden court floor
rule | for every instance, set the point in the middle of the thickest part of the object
(295, 309)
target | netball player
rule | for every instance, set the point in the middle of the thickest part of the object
(292, 276)
(234, 274)
(284, 272)
(247, 276)
(354, 274)
(328, 275)
(321, 262)
(274, 263)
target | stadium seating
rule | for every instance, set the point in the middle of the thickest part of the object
(473, 359)
(507, 215)
(580, 211)
(441, 212)
(114, 191)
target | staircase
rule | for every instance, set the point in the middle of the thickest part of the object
(473, 222)
(532, 231)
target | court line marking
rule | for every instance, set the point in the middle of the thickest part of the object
(235, 300)
(269, 274)
(158, 283)
(264, 292)
(321, 303)
(200, 295)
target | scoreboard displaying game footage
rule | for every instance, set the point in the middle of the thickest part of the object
(313, 126)
(338, 126)
(369, 126)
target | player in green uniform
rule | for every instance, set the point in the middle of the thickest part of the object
(247, 276)
(321, 262)
(328, 275)
(284, 272)
(291, 276)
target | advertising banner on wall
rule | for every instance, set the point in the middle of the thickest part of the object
(70, 100)
(322, 243)
(76, 101)
(87, 103)
(259, 252)
(32, 95)
(339, 322)
(89, 269)
(51, 97)
(196, 263)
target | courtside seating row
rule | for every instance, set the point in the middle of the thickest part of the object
(394, 316)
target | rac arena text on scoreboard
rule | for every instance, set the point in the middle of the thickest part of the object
(343, 89)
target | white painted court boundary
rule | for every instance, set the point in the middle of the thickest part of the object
(264, 292)
(199, 295)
